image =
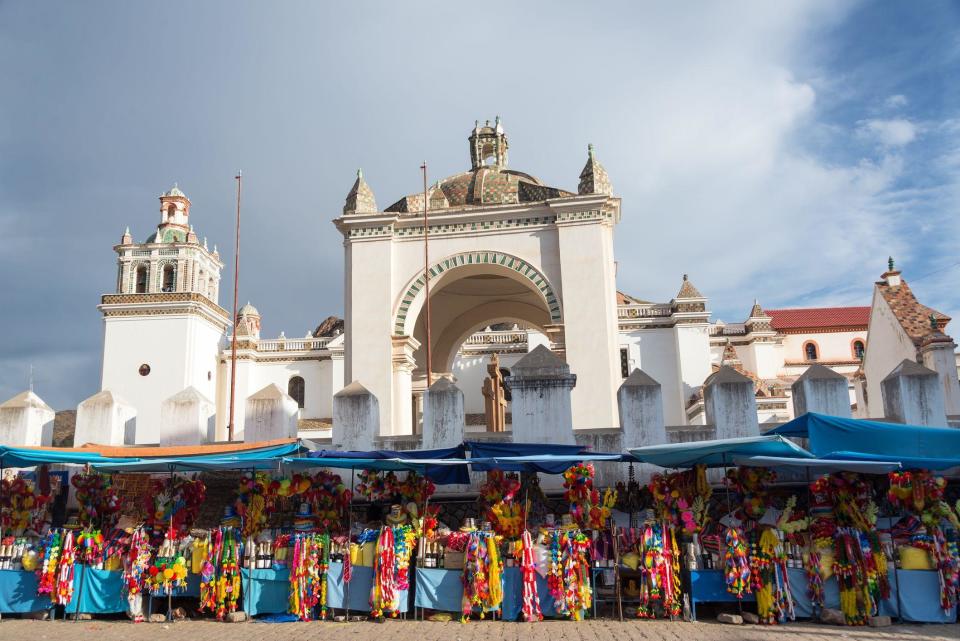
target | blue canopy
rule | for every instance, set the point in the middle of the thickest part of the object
(916, 446)
(523, 457)
(718, 453)
(818, 466)
(30, 457)
(442, 466)
(267, 458)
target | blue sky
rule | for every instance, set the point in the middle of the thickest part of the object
(771, 150)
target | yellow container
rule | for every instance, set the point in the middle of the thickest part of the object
(912, 558)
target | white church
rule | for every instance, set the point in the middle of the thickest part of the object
(514, 264)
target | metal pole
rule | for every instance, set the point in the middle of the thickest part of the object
(346, 584)
(426, 274)
(170, 534)
(236, 281)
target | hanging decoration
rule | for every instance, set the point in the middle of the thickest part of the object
(51, 547)
(173, 505)
(168, 573)
(768, 576)
(569, 573)
(308, 575)
(736, 564)
(502, 508)
(63, 590)
(377, 487)
(137, 562)
(750, 484)
(22, 508)
(383, 595)
(682, 498)
(220, 577)
(481, 577)
(586, 506)
(528, 569)
(660, 587)
(99, 502)
(91, 544)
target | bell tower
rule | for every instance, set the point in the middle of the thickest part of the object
(163, 326)
(488, 142)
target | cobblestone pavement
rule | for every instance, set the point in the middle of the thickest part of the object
(596, 630)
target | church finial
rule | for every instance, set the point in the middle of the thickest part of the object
(590, 150)
(359, 172)
(933, 323)
(890, 263)
(685, 277)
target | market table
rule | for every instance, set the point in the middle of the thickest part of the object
(919, 592)
(103, 592)
(269, 591)
(18, 593)
(441, 589)
(191, 590)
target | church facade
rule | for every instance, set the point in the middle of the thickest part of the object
(514, 264)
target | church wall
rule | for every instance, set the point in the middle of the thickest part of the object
(693, 360)
(655, 352)
(831, 346)
(887, 348)
(181, 350)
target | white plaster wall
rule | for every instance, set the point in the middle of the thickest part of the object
(943, 362)
(693, 357)
(655, 352)
(26, 425)
(181, 351)
(887, 348)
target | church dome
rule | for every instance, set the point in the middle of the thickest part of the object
(248, 310)
(174, 192)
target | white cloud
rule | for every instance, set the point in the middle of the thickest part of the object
(896, 132)
(896, 101)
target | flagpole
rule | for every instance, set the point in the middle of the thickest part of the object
(236, 281)
(426, 274)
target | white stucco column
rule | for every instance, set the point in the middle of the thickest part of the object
(368, 319)
(106, 419)
(270, 414)
(403, 366)
(356, 418)
(186, 418)
(585, 242)
(912, 395)
(443, 420)
(821, 390)
(26, 420)
(540, 386)
(938, 355)
(730, 404)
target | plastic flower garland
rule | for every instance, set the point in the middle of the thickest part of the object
(174, 503)
(528, 568)
(481, 575)
(91, 547)
(167, 575)
(751, 483)
(569, 573)
(308, 575)
(51, 547)
(586, 507)
(376, 487)
(499, 494)
(220, 576)
(136, 562)
(737, 565)
(768, 576)
(660, 563)
(21, 508)
(99, 503)
(682, 498)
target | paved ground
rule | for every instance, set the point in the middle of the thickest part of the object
(427, 631)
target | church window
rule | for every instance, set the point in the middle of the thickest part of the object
(624, 362)
(295, 388)
(141, 279)
(144, 370)
(810, 351)
(169, 278)
(171, 211)
(858, 349)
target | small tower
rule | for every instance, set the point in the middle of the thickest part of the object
(162, 325)
(593, 178)
(360, 200)
(488, 142)
(248, 322)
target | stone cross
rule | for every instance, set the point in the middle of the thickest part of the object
(494, 403)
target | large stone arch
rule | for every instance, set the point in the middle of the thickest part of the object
(413, 297)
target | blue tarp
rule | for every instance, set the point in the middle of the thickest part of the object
(259, 459)
(30, 457)
(819, 466)
(506, 451)
(915, 446)
(424, 461)
(718, 453)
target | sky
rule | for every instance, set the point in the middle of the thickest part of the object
(771, 150)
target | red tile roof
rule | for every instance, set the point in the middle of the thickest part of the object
(816, 317)
(914, 317)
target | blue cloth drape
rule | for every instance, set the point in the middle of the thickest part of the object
(103, 592)
(495, 450)
(360, 584)
(267, 593)
(18, 593)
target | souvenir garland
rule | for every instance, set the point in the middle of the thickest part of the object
(308, 575)
(137, 562)
(737, 564)
(569, 573)
(768, 577)
(586, 506)
(220, 576)
(682, 498)
(99, 503)
(660, 564)
(173, 505)
(21, 507)
(528, 568)
(499, 496)
(481, 577)
(750, 483)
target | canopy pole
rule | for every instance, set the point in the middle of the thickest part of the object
(246, 599)
(170, 533)
(346, 584)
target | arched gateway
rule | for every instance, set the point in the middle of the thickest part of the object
(503, 247)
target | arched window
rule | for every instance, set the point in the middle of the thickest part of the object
(858, 349)
(810, 351)
(171, 211)
(141, 287)
(295, 389)
(201, 282)
(211, 291)
(169, 278)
